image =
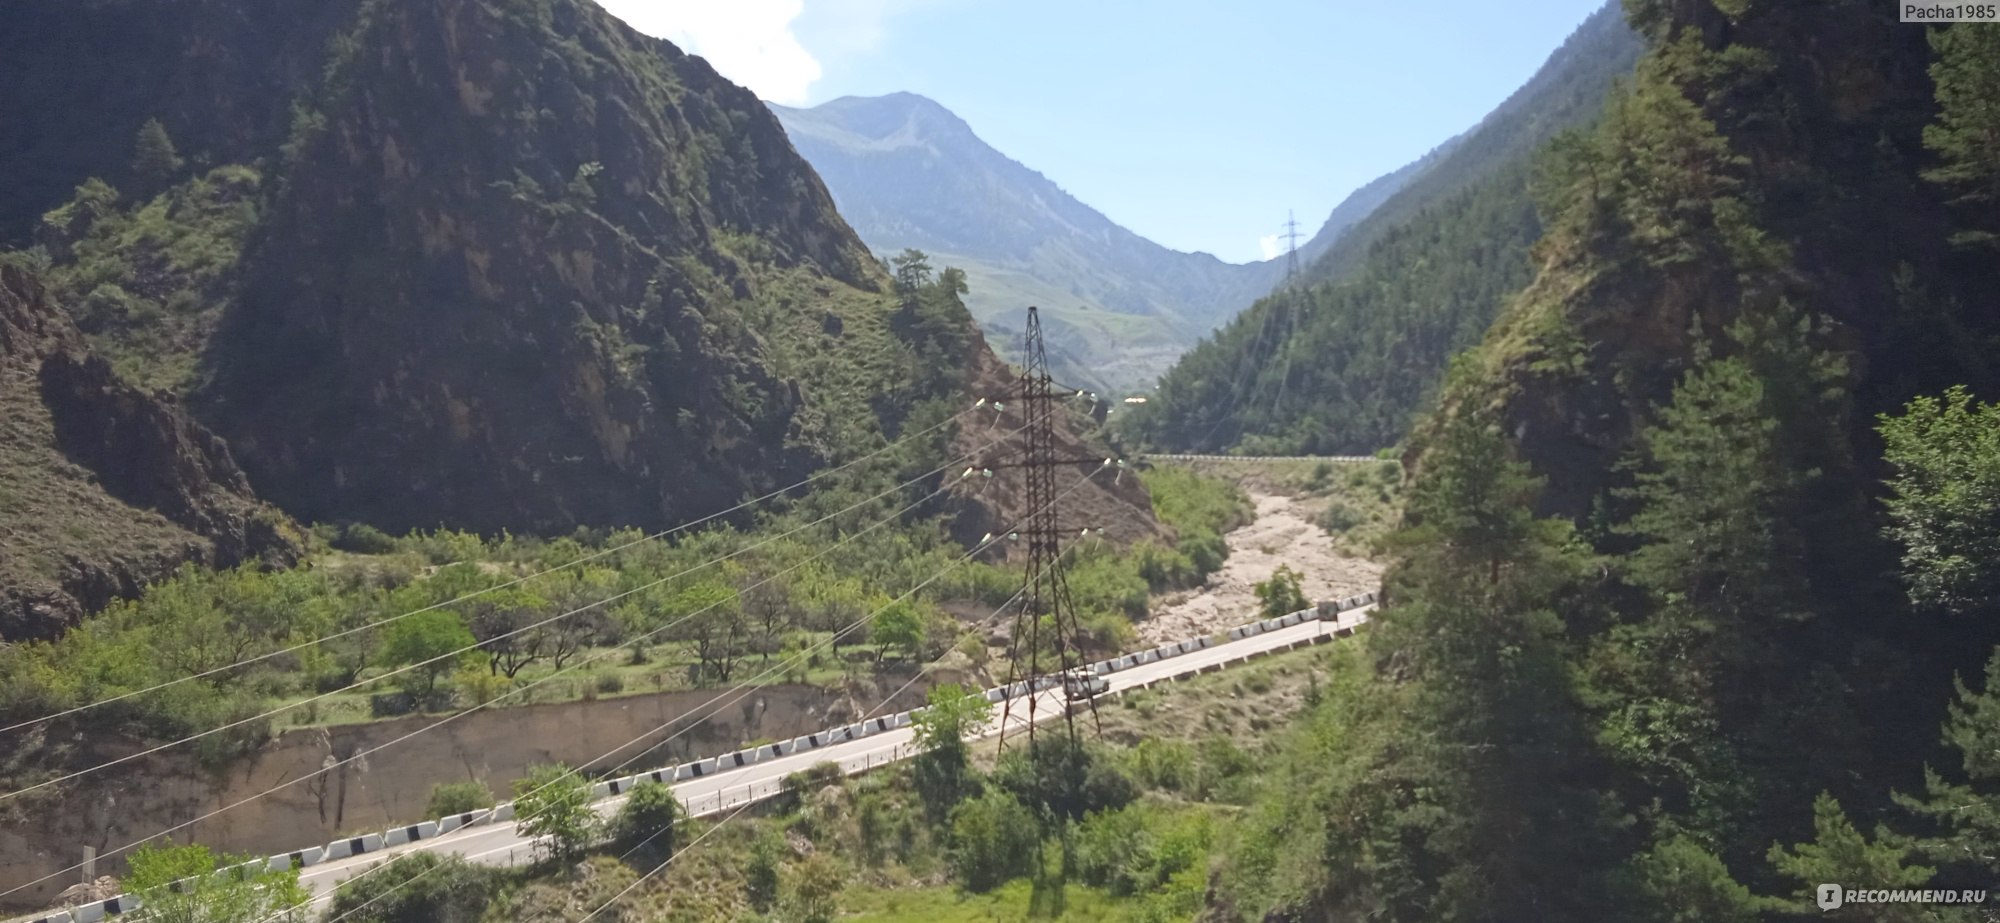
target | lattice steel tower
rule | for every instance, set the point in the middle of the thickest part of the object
(1046, 643)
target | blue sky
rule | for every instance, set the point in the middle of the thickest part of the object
(1196, 123)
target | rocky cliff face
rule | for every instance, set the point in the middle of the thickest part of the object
(103, 487)
(509, 264)
(504, 285)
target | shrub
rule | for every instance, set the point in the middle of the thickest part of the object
(1339, 517)
(1281, 595)
(362, 538)
(610, 683)
(420, 887)
(648, 818)
(993, 841)
(449, 798)
(1162, 764)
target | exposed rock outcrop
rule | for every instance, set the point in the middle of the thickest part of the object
(103, 487)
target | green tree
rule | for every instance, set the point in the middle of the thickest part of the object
(816, 887)
(943, 771)
(154, 159)
(1966, 814)
(1281, 595)
(553, 805)
(1841, 854)
(760, 875)
(993, 841)
(900, 625)
(708, 616)
(648, 817)
(424, 641)
(1486, 808)
(1680, 881)
(180, 884)
(1966, 135)
(1945, 503)
(449, 798)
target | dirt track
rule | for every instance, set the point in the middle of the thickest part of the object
(1282, 533)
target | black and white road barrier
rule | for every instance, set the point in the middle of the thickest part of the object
(348, 847)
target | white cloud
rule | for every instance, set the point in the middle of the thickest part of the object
(751, 42)
(1269, 244)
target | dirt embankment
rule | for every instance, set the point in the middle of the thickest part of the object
(1283, 533)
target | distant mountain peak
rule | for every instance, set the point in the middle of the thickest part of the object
(907, 172)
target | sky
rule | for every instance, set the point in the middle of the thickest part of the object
(1196, 123)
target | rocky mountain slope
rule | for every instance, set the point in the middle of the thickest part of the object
(907, 172)
(103, 487)
(489, 264)
(493, 263)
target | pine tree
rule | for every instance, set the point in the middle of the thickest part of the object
(155, 161)
(1966, 135)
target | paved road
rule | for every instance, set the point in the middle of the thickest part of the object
(503, 844)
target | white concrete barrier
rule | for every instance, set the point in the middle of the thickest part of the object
(502, 813)
(467, 819)
(1148, 656)
(355, 845)
(56, 916)
(397, 836)
(285, 861)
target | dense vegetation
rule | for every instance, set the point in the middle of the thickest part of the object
(1699, 539)
(511, 620)
(1341, 363)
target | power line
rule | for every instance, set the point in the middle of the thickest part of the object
(739, 691)
(1032, 692)
(482, 591)
(490, 703)
(479, 644)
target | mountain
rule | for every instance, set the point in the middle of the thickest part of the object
(1342, 363)
(906, 172)
(1700, 562)
(104, 487)
(493, 264)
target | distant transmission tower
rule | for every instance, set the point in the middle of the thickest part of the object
(1290, 304)
(1291, 236)
(1046, 645)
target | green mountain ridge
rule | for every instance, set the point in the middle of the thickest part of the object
(906, 172)
(1342, 363)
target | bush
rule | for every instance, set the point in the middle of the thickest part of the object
(1162, 764)
(1139, 850)
(1339, 517)
(449, 798)
(610, 683)
(362, 538)
(1281, 595)
(993, 841)
(647, 818)
(420, 887)
(1067, 781)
